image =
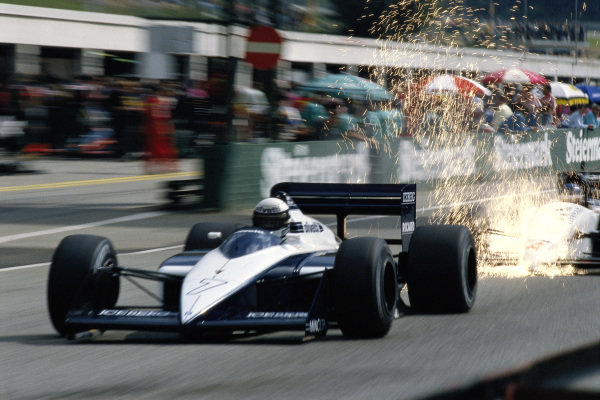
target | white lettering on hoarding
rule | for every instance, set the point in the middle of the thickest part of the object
(582, 149)
(516, 156)
(279, 166)
(432, 163)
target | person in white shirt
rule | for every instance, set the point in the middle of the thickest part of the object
(502, 112)
(575, 119)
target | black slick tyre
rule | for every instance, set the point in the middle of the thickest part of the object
(365, 287)
(442, 269)
(208, 235)
(81, 278)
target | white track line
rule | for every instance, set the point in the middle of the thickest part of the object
(24, 267)
(159, 213)
(151, 250)
(156, 250)
(134, 217)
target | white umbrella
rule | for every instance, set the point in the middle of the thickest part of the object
(565, 93)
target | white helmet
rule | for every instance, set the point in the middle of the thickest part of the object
(272, 214)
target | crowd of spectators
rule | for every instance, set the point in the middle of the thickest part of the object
(520, 108)
(94, 116)
(164, 120)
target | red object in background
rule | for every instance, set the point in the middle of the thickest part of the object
(263, 47)
(161, 153)
(513, 75)
(453, 84)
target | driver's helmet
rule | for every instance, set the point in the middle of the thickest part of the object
(572, 192)
(272, 214)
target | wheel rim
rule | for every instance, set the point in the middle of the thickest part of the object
(104, 259)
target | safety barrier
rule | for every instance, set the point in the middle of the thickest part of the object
(240, 174)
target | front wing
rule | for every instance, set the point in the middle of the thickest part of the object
(280, 299)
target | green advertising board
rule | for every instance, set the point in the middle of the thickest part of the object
(240, 174)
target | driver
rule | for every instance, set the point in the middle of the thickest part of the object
(272, 214)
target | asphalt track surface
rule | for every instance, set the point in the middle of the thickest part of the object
(517, 319)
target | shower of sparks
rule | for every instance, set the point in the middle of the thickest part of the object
(432, 28)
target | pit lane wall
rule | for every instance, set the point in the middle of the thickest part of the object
(240, 174)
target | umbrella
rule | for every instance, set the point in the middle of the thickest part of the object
(593, 92)
(452, 84)
(346, 86)
(565, 93)
(513, 75)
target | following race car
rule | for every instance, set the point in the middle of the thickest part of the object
(288, 271)
(567, 232)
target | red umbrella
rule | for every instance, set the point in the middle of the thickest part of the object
(440, 84)
(513, 75)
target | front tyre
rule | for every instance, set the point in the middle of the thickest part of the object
(442, 269)
(81, 277)
(366, 287)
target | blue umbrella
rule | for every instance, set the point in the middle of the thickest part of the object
(345, 86)
(593, 92)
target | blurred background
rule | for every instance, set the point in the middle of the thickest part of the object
(102, 77)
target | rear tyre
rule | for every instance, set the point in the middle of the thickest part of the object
(81, 278)
(366, 287)
(442, 269)
(209, 235)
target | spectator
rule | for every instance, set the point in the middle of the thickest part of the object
(515, 123)
(125, 107)
(525, 102)
(562, 111)
(159, 132)
(476, 121)
(338, 122)
(433, 121)
(290, 121)
(359, 128)
(513, 94)
(596, 112)
(548, 106)
(502, 110)
(575, 119)
(314, 115)
(589, 117)
(373, 121)
(392, 119)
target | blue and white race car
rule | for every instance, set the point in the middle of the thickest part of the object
(288, 271)
(566, 232)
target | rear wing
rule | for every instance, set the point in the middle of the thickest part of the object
(343, 199)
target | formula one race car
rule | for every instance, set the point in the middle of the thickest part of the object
(287, 271)
(567, 232)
